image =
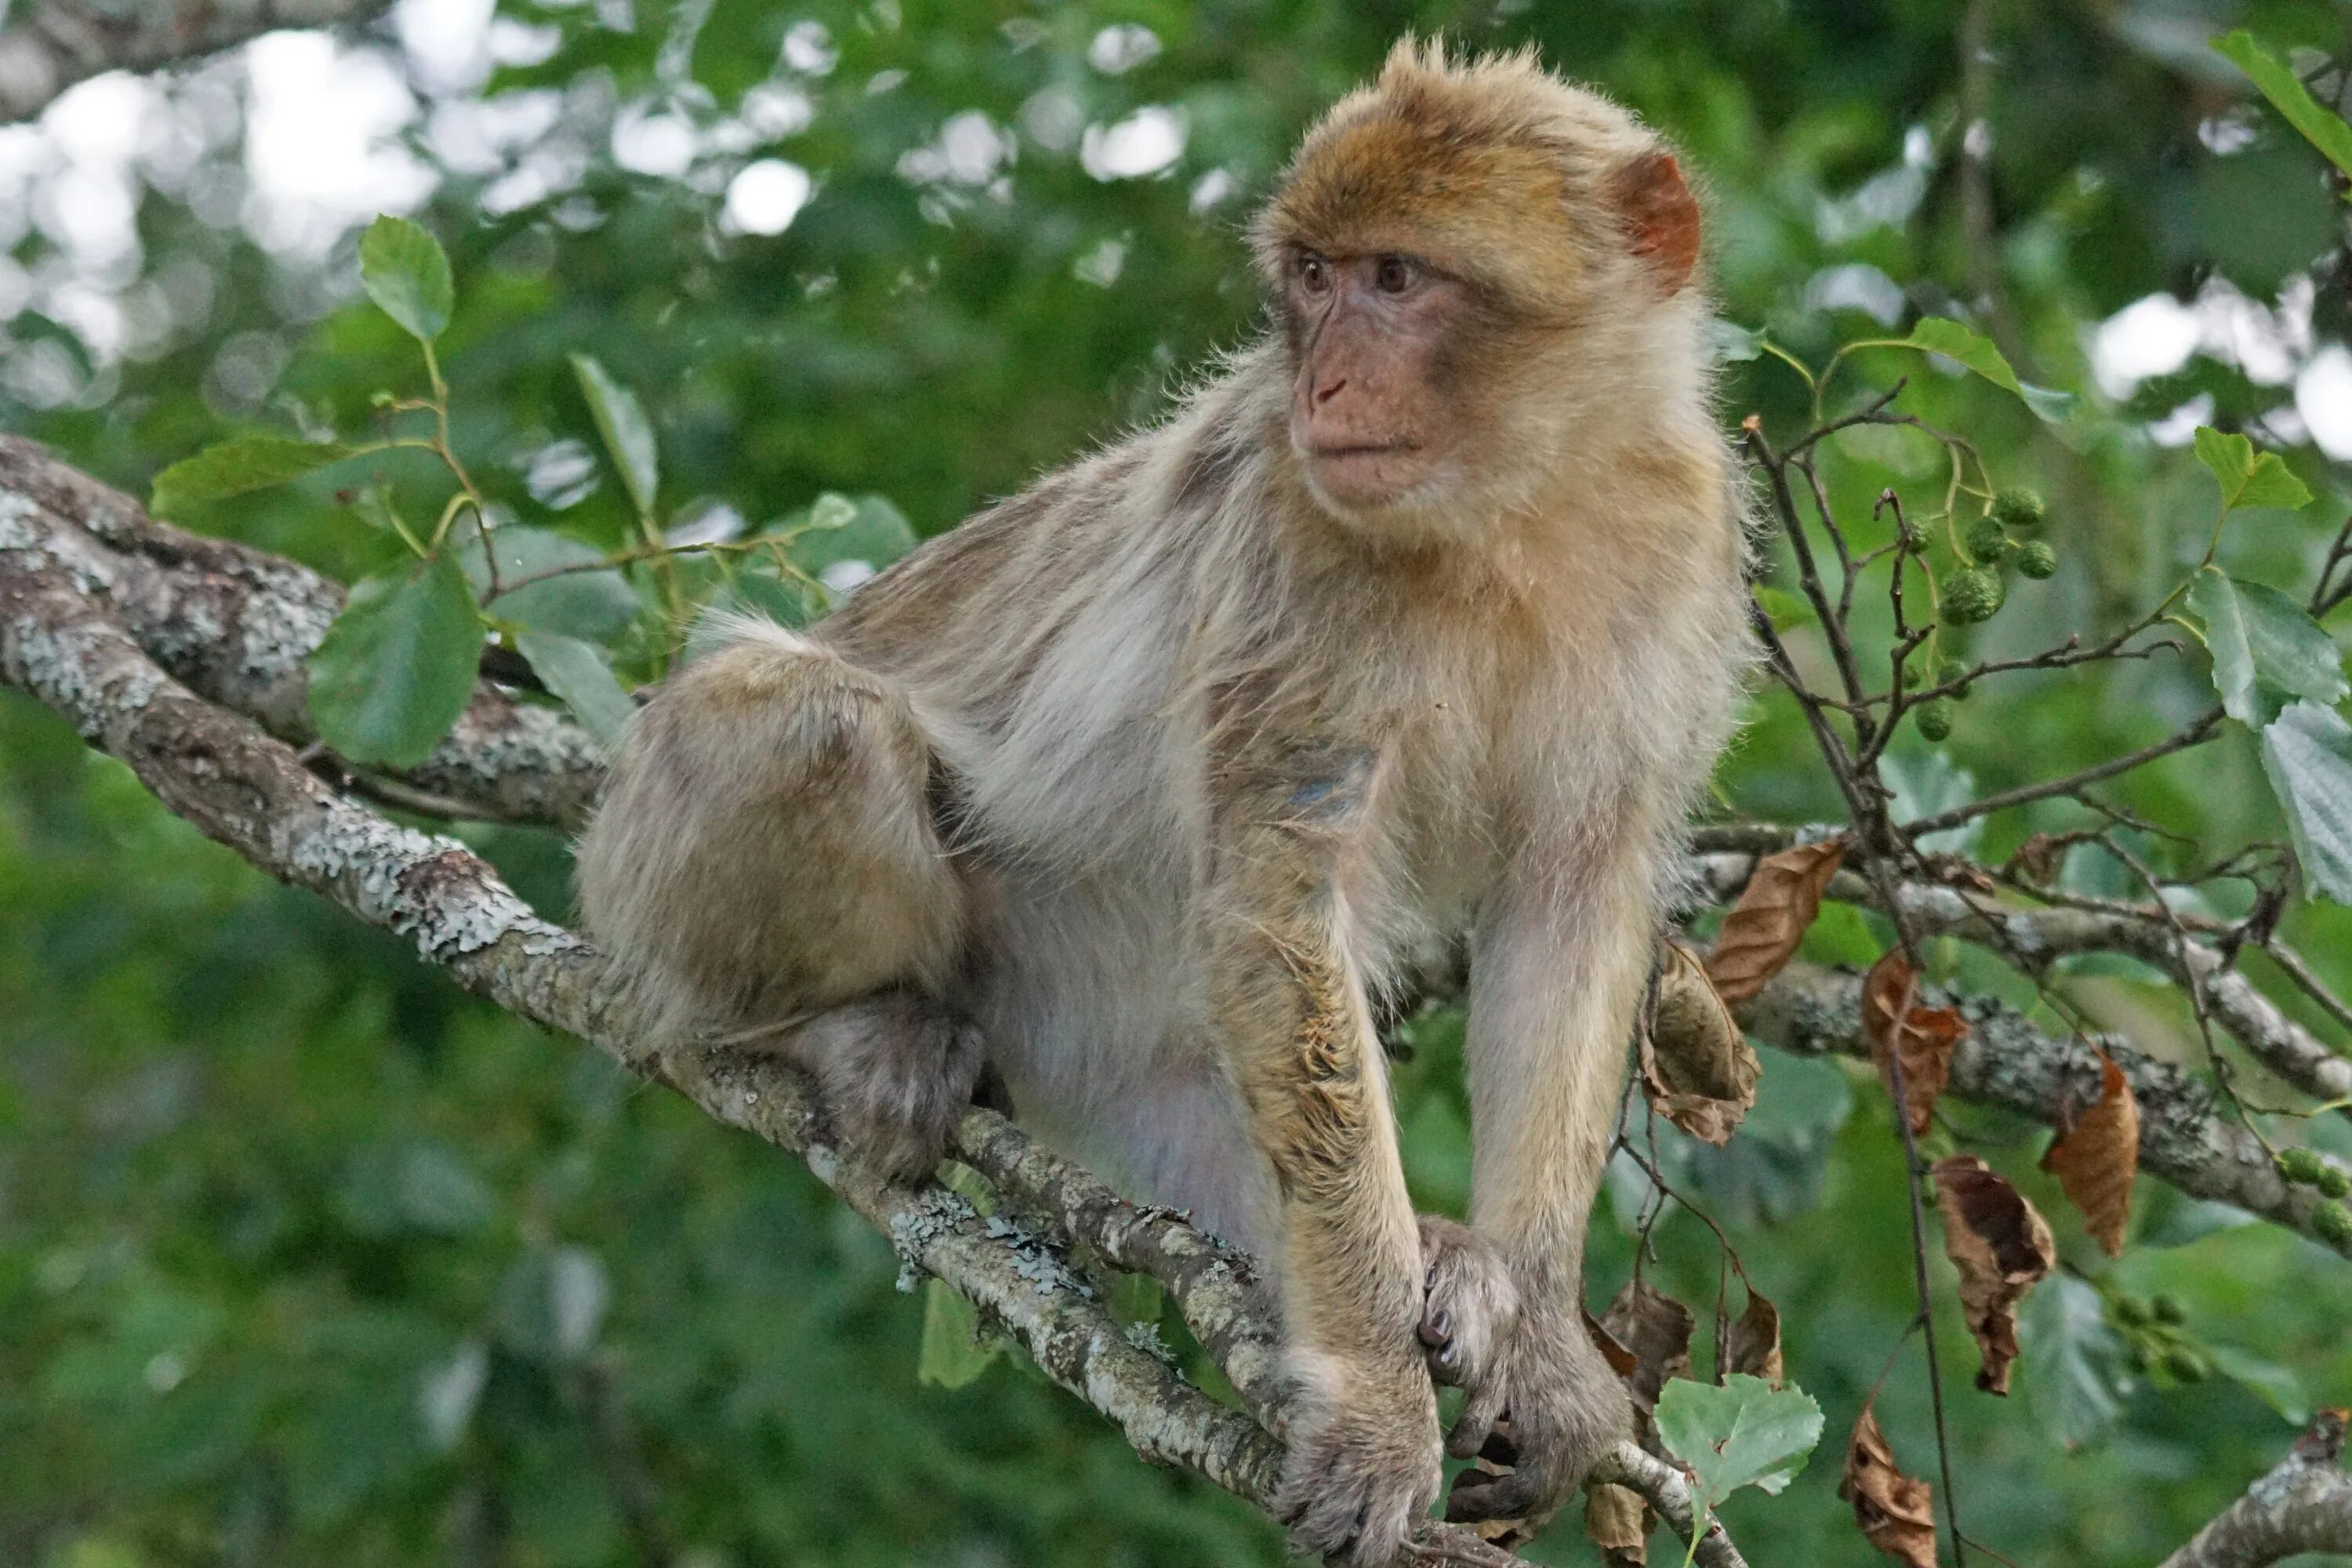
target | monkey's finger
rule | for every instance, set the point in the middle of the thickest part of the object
(1477, 1422)
(1494, 1497)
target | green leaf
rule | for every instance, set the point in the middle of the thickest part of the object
(597, 606)
(2308, 755)
(954, 1350)
(1744, 1433)
(233, 468)
(839, 529)
(395, 670)
(2321, 127)
(627, 435)
(763, 591)
(2278, 1388)
(2264, 642)
(2248, 477)
(576, 672)
(1784, 609)
(2072, 1360)
(1728, 342)
(406, 273)
(1942, 335)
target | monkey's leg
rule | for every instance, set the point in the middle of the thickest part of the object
(1290, 1010)
(765, 869)
(1557, 978)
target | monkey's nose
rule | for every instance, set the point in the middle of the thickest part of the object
(1324, 395)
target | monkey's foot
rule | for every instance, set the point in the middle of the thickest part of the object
(1470, 1303)
(1564, 1407)
(894, 1072)
(1364, 1461)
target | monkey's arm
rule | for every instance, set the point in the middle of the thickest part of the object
(1558, 973)
(1290, 1010)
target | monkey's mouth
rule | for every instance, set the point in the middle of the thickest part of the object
(1335, 454)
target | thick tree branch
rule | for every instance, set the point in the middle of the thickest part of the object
(2006, 1061)
(237, 626)
(2303, 1505)
(2034, 937)
(50, 45)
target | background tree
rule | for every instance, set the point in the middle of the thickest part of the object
(304, 1253)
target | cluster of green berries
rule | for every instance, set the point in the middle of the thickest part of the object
(2331, 1220)
(2151, 1329)
(1975, 592)
(1934, 717)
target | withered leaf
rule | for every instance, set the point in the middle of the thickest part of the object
(1620, 1361)
(2097, 1157)
(1618, 1522)
(1656, 1328)
(1897, 1029)
(1890, 1507)
(1762, 931)
(1697, 1069)
(2001, 1247)
(1753, 1346)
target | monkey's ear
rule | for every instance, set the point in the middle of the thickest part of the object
(1660, 215)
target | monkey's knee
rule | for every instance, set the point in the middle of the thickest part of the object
(765, 846)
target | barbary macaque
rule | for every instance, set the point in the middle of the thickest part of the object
(1419, 622)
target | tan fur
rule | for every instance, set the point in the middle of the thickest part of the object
(1216, 760)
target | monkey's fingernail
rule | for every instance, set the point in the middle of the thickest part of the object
(1450, 1355)
(1443, 1321)
(1429, 1280)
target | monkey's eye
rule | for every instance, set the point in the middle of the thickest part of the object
(1395, 275)
(1314, 274)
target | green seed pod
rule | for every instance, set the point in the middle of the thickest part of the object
(2036, 560)
(1970, 595)
(1912, 677)
(2187, 1365)
(2334, 1223)
(2334, 1182)
(2130, 1311)
(1934, 717)
(2301, 1165)
(2018, 508)
(1985, 540)
(2139, 1357)
(2168, 1309)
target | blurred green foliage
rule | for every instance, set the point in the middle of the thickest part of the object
(306, 1257)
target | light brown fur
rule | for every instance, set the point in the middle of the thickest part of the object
(1212, 757)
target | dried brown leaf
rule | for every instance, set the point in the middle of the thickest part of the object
(1897, 1029)
(1620, 1361)
(1697, 1069)
(1753, 1346)
(2096, 1158)
(1892, 1509)
(2001, 1247)
(1762, 931)
(1618, 1522)
(1656, 1328)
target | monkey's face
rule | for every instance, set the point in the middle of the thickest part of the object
(1373, 340)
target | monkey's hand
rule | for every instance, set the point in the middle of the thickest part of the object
(1470, 1303)
(1564, 1407)
(1364, 1460)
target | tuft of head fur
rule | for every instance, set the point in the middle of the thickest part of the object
(1490, 167)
